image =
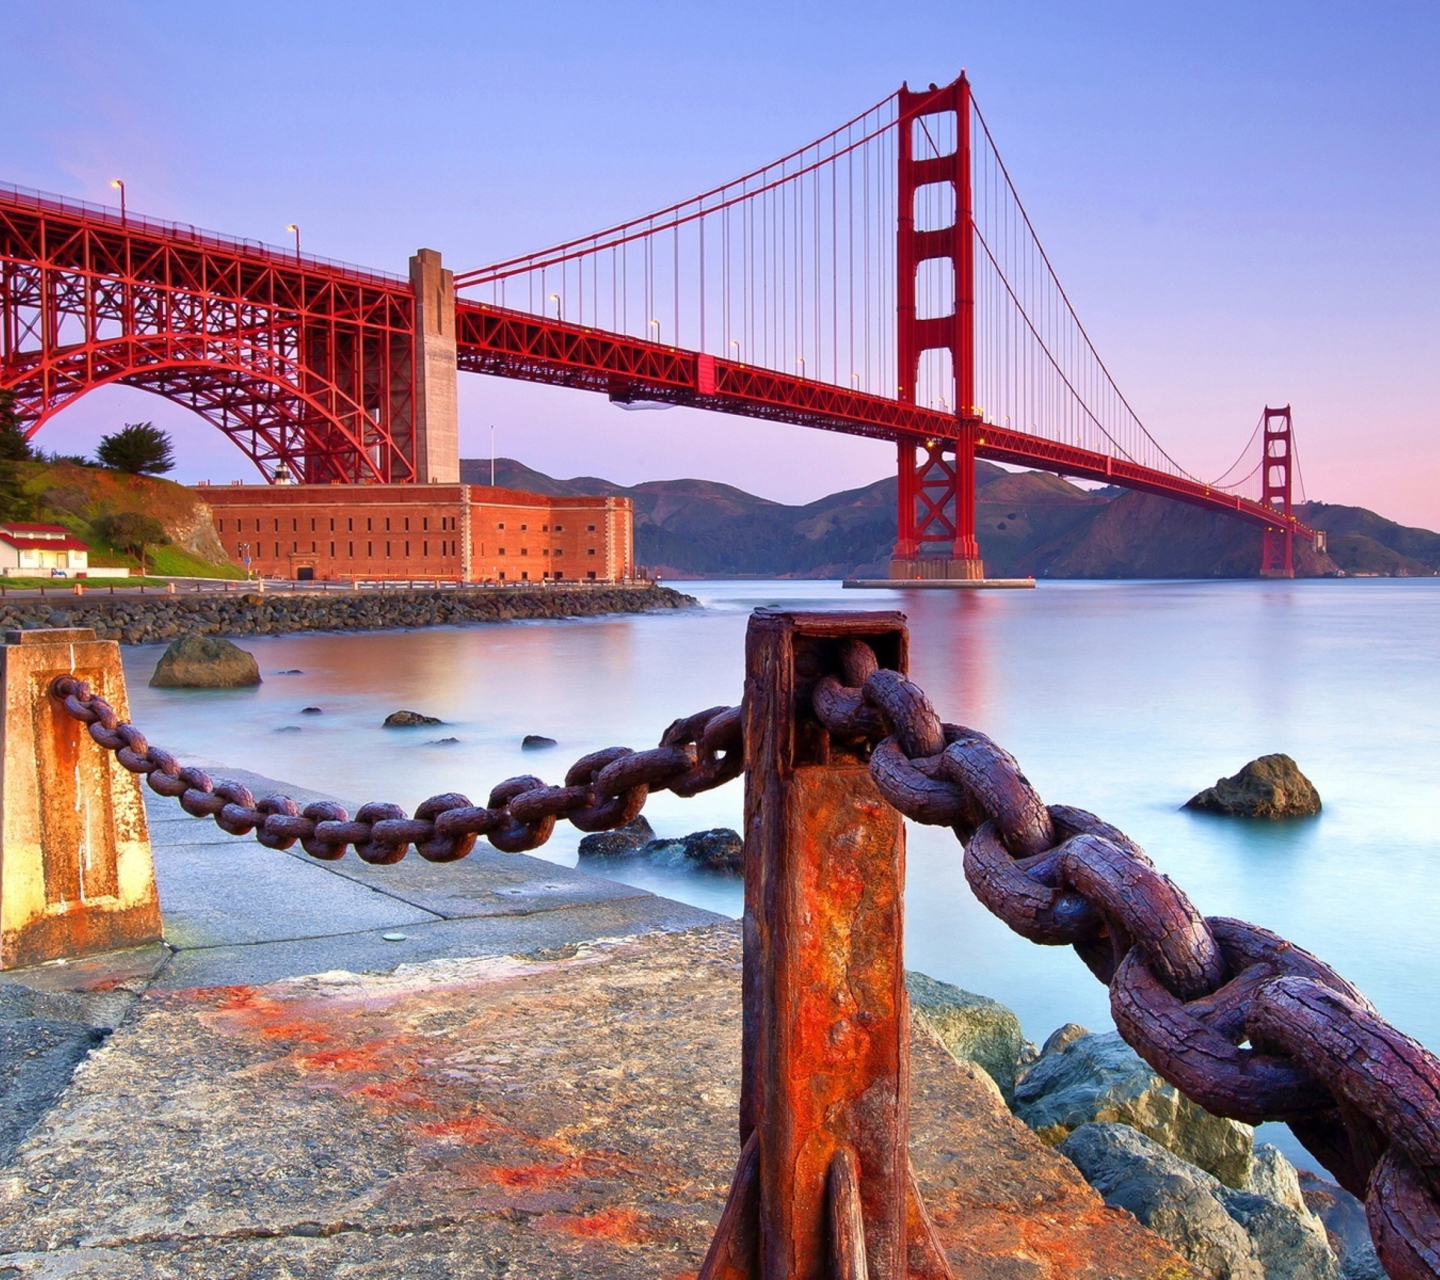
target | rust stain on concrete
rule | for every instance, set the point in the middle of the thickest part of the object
(489, 1118)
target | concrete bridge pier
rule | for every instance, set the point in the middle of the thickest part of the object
(437, 413)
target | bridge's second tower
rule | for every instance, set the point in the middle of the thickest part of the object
(1277, 558)
(936, 535)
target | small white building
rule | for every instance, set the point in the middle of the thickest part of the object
(41, 550)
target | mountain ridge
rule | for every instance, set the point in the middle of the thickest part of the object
(1029, 524)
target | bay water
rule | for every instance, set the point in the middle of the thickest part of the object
(1123, 698)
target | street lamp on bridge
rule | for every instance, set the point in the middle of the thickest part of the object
(655, 324)
(120, 182)
(559, 313)
(291, 227)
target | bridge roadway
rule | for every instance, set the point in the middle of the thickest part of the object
(91, 296)
(517, 344)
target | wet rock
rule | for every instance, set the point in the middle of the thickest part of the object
(312, 711)
(1270, 787)
(288, 728)
(536, 742)
(1276, 1239)
(1062, 1037)
(1289, 1243)
(442, 742)
(1101, 1078)
(720, 849)
(973, 1028)
(1345, 1225)
(205, 662)
(1177, 1201)
(622, 842)
(406, 719)
(293, 671)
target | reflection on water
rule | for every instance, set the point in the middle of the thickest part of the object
(1123, 698)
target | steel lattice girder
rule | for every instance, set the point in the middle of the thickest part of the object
(296, 361)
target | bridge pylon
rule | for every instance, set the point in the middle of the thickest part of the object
(1277, 555)
(936, 476)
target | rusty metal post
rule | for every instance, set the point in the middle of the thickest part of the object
(75, 870)
(823, 1188)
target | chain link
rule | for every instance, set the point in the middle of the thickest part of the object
(1241, 1021)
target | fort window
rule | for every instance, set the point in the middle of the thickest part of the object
(589, 528)
(524, 551)
(294, 526)
(501, 525)
(425, 524)
(369, 550)
(590, 552)
(559, 528)
(332, 524)
(387, 524)
(407, 546)
(524, 528)
(407, 524)
(350, 524)
(387, 551)
(332, 551)
(369, 524)
(591, 575)
(425, 548)
(350, 550)
(312, 524)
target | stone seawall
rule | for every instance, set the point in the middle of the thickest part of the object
(154, 619)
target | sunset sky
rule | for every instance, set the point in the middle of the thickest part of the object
(1243, 200)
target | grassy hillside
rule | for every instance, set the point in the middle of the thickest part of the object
(78, 496)
(1027, 522)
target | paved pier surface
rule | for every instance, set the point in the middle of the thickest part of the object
(498, 1096)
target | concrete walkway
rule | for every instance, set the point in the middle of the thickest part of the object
(541, 1080)
(237, 912)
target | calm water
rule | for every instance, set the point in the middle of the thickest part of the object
(1122, 698)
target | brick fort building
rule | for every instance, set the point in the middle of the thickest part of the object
(453, 532)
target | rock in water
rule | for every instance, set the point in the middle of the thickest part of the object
(536, 742)
(1100, 1077)
(622, 842)
(973, 1028)
(404, 719)
(1228, 1234)
(1270, 787)
(719, 849)
(205, 662)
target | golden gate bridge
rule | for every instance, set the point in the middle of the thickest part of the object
(883, 281)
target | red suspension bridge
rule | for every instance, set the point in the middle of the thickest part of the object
(884, 281)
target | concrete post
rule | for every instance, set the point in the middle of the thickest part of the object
(437, 413)
(75, 870)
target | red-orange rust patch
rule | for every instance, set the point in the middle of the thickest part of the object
(622, 1226)
(537, 1176)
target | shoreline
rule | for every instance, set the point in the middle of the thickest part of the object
(157, 619)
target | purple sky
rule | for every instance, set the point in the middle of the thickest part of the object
(1242, 200)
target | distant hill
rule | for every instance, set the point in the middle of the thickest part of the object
(1028, 523)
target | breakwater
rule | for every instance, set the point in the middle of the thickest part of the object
(154, 619)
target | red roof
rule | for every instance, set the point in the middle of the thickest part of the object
(41, 537)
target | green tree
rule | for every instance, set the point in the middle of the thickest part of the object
(15, 503)
(133, 532)
(139, 448)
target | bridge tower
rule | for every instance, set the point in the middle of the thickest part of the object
(1277, 557)
(937, 477)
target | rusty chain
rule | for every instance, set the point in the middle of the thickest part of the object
(603, 790)
(1241, 1021)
